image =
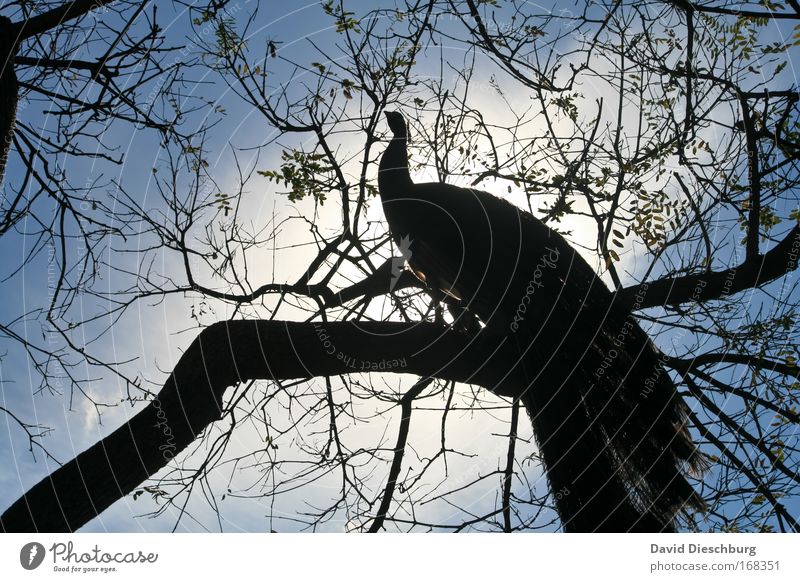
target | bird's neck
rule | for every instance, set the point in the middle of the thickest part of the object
(393, 177)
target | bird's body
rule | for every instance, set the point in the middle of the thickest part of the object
(606, 416)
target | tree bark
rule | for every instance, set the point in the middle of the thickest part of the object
(238, 351)
(48, 20)
(752, 272)
(9, 90)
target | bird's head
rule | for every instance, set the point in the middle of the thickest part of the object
(396, 123)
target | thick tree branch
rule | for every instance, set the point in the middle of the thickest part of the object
(68, 11)
(752, 272)
(96, 68)
(191, 399)
(8, 91)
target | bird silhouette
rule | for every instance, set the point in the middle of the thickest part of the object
(607, 418)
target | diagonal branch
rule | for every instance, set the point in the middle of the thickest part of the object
(222, 355)
(96, 67)
(752, 272)
(68, 11)
(399, 451)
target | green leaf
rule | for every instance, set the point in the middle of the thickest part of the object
(306, 174)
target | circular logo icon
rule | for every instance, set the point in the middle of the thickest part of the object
(31, 555)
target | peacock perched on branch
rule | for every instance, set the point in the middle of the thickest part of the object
(607, 418)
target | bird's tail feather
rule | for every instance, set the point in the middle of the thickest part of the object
(609, 423)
